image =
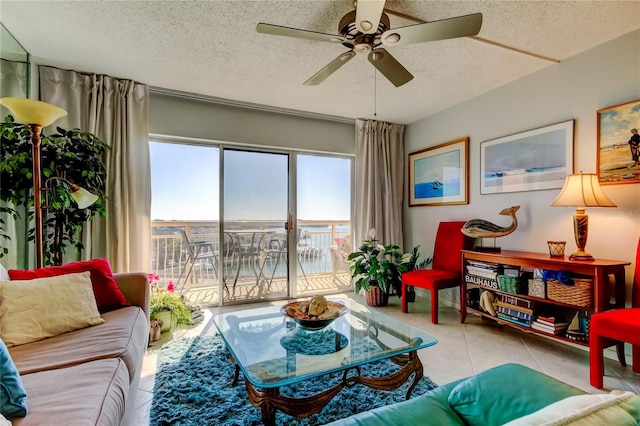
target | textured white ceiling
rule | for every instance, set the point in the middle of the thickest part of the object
(212, 48)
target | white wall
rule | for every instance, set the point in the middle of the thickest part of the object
(605, 76)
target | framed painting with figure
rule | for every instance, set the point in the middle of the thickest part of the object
(533, 160)
(440, 175)
(619, 144)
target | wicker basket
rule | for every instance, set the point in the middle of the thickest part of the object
(537, 288)
(578, 294)
(514, 285)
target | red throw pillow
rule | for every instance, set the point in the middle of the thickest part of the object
(105, 289)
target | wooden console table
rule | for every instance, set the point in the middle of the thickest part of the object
(599, 269)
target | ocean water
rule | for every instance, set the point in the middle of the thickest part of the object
(524, 176)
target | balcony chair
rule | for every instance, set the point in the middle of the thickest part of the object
(339, 254)
(615, 327)
(446, 267)
(277, 248)
(197, 251)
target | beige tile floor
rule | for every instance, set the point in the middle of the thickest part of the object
(462, 350)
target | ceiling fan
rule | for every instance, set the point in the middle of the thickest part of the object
(367, 30)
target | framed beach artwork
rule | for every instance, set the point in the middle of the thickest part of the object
(440, 175)
(533, 160)
(619, 144)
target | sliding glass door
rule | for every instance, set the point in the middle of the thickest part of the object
(323, 207)
(185, 219)
(255, 225)
(233, 225)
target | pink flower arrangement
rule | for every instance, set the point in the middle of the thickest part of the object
(154, 280)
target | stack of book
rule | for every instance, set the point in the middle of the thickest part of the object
(550, 325)
(515, 309)
(197, 314)
(196, 317)
(482, 273)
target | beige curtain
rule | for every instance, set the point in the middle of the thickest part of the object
(379, 180)
(13, 82)
(116, 111)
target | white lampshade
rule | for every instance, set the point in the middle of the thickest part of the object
(582, 190)
(82, 197)
(30, 111)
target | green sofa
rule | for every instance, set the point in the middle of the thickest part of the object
(497, 396)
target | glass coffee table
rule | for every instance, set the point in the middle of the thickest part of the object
(273, 351)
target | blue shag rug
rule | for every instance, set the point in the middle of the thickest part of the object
(193, 387)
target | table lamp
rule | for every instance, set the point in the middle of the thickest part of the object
(36, 115)
(580, 191)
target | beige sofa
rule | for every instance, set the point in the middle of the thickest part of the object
(88, 376)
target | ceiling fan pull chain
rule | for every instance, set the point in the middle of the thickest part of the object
(375, 92)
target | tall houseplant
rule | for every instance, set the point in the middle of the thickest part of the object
(377, 268)
(70, 154)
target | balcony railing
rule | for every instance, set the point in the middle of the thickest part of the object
(315, 270)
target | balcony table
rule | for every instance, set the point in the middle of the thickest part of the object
(253, 251)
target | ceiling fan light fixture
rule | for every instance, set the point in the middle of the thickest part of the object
(366, 25)
(362, 48)
(392, 38)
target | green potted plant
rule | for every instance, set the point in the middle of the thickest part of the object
(378, 269)
(166, 305)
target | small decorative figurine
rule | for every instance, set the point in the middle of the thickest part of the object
(479, 228)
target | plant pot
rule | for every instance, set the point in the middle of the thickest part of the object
(376, 297)
(166, 318)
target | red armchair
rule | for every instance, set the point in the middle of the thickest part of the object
(446, 267)
(615, 327)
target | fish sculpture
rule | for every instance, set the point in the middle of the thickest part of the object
(479, 228)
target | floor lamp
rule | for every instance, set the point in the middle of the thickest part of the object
(580, 191)
(36, 115)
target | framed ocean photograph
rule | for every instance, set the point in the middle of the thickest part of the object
(533, 160)
(440, 175)
(619, 144)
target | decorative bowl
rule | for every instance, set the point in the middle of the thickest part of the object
(314, 324)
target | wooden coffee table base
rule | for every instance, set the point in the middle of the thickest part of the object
(269, 399)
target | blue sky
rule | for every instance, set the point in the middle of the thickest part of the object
(185, 182)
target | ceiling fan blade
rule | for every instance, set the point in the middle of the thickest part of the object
(461, 26)
(368, 14)
(294, 32)
(325, 72)
(390, 67)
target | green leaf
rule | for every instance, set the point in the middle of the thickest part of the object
(380, 265)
